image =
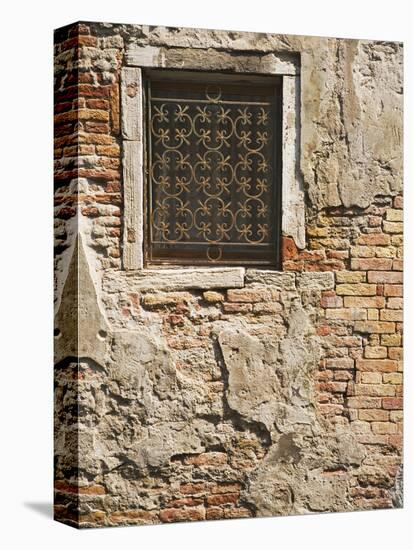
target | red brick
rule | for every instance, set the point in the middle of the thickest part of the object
(132, 516)
(225, 488)
(398, 202)
(182, 514)
(207, 459)
(97, 127)
(329, 299)
(97, 104)
(393, 290)
(194, 488)
(392, 403)
(234, 307)
(396, 353)
(289, 249)
(214, 513)
(229, 498)
(187, 501)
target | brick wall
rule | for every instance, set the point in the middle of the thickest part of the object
(335, 334)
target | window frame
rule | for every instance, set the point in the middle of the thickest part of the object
(271, 81)
(133, 127)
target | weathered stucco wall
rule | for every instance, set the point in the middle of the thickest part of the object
(241, 392)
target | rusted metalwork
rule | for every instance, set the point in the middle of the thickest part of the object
(213, 165)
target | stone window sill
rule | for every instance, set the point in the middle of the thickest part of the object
(170, 279)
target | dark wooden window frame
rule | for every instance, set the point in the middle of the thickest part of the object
(252, 88)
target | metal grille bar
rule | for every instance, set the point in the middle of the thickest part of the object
(213, 164)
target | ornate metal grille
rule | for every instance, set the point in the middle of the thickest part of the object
(213, 165)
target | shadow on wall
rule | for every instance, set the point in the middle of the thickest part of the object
(42, 508)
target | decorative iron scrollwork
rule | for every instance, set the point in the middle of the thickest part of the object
(211, 174)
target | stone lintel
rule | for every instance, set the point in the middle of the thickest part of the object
(212, 60)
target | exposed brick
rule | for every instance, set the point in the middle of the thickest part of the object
(108, 150)
(377, 365)
(393, 378)
(373, 314)
(207, 459)
(364, 301)
(229, 498)
(65, 487)
(346, 313)
(375, 352)
(378, 327)
(383, 428)
(389, 277)
(374, 390)
(392, 403)
(395, 303)
(391, 339)
(182, 514)
(340, 363)
(374, 415)
(225, 488)
(351, 277)
(82, 114)
(329, 299)
(398, 202)
(237, 512)
(362, 252)
(214, 513)
(395, 353)
(267, 308)
(396, 416)
(371, 263)
(392, 227)
(161, 299)
(371, 377)
(374, 239)
(234, 307)
(213, 297)
(247, 295)
(364, 402)
(194, 488)
(132, 516)
(358, 289)
(289, 248)
(187, 501)
(391, 315)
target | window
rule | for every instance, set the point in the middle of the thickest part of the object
(186, 190)
(213, 167)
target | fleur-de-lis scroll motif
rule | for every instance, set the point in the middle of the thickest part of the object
(210, 170)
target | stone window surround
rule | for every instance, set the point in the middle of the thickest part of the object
(293, 220)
